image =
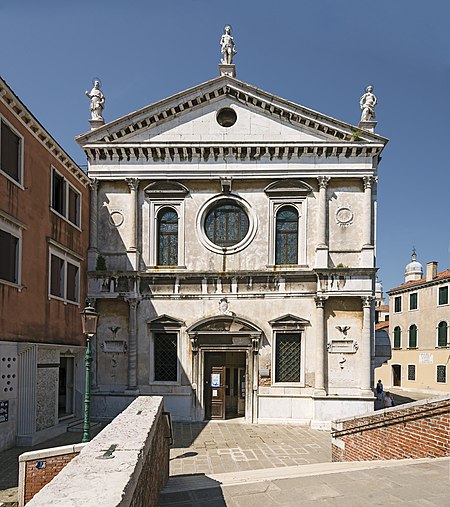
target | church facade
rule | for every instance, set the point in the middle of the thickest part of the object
(232, 257)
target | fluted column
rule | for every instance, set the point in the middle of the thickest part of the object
(367, 228)
(132, 343)
(93, 228)
(322, 248)
(320, 345)
(365, 360)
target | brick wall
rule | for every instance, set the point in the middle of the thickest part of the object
(414, 430)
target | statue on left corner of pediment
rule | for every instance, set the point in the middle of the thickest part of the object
(97, 101)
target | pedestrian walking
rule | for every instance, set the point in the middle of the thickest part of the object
(380, 390)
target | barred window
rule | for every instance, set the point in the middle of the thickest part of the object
(412, 337)
(167, 237)
(411, 372)
(441, 373)
(286, 240)
(442, 334)
(165, 357)
(397, 337)
(287, 357)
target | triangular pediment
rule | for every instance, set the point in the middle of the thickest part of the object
(165, 321)
(192, 117)
(289, 321)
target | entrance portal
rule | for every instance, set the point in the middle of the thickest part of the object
(397, 375)
(224, 384)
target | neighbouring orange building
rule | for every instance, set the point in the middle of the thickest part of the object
(44, 229)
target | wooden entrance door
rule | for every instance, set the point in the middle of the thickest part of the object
(214, 387)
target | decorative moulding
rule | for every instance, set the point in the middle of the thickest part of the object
(344, 216)
(116, 218)
(342, 346)
(114, 346)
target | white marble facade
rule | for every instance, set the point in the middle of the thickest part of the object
(224, 143)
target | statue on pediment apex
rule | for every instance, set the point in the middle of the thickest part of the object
(227, 46)
(97, 101)
(367, 103)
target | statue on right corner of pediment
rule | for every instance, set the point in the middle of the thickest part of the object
(367, 103)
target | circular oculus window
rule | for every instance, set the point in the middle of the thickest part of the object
(226, 225)
(226, 117)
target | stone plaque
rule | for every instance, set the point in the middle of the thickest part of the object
(114, 346)
(4, 409)
(342, 346)
(425, 358)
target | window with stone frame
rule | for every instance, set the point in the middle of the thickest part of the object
(64, 276)
(397, 304)
(167, 237)
(443, 295)
(10, 152)
(397, 337)
(9, 257)
(287, 357)
(165, 353)
(442, 334)
(411, 372)
(441, 373)
(413, 301)
(412, 337)
(286, 237)
(66, 200)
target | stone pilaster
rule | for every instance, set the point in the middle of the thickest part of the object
(322, 247)
(365, 360)
(133, 183)
(368, 248)
(320, 332)
(132, 344)
(93, 221)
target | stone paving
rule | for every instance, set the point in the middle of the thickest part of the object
(228, 446)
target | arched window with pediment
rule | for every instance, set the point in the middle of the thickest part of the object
(286, 237)
(167, 237)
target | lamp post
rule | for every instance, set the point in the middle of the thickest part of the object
(89, 320)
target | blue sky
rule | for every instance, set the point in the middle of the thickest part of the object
(318, 53)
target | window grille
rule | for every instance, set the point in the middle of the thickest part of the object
(441, 373)
(286, 250)
(287, 357)
(167, 238)
(411, 372)
(165, 356)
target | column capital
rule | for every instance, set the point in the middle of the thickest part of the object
(133, 302)
(323, 181)
(369, 181)
(93, 184)
(320, 301)
(133, 183)
(367, 301)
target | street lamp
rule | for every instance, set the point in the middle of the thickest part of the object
(89, 320)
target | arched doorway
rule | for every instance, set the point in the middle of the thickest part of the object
(225, 367)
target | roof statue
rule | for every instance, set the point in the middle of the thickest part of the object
(97, 102)
(227, 46)
(367, 103)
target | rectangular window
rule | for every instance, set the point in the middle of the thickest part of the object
(9, 257)
(443, 295)
(397, 304)
(287, 357)
(10, 152)
(441, 373)
(413, 301)
(64, 276)
(411, 372)
(65, 199)
(165, 357)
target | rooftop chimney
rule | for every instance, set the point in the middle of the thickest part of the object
(431, 270)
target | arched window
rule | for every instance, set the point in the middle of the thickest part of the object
(412, 337)
(286, 240)
(397, 337)
(226, 224)
(442, 334)
(167, 237)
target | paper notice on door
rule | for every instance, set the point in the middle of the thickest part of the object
(214, 392)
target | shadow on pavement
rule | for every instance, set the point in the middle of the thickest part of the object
(196, 490)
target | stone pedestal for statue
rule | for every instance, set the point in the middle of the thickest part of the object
(227, 69)
(367, 125)
(95, 124)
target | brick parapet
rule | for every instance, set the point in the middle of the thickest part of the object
(414, 430)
